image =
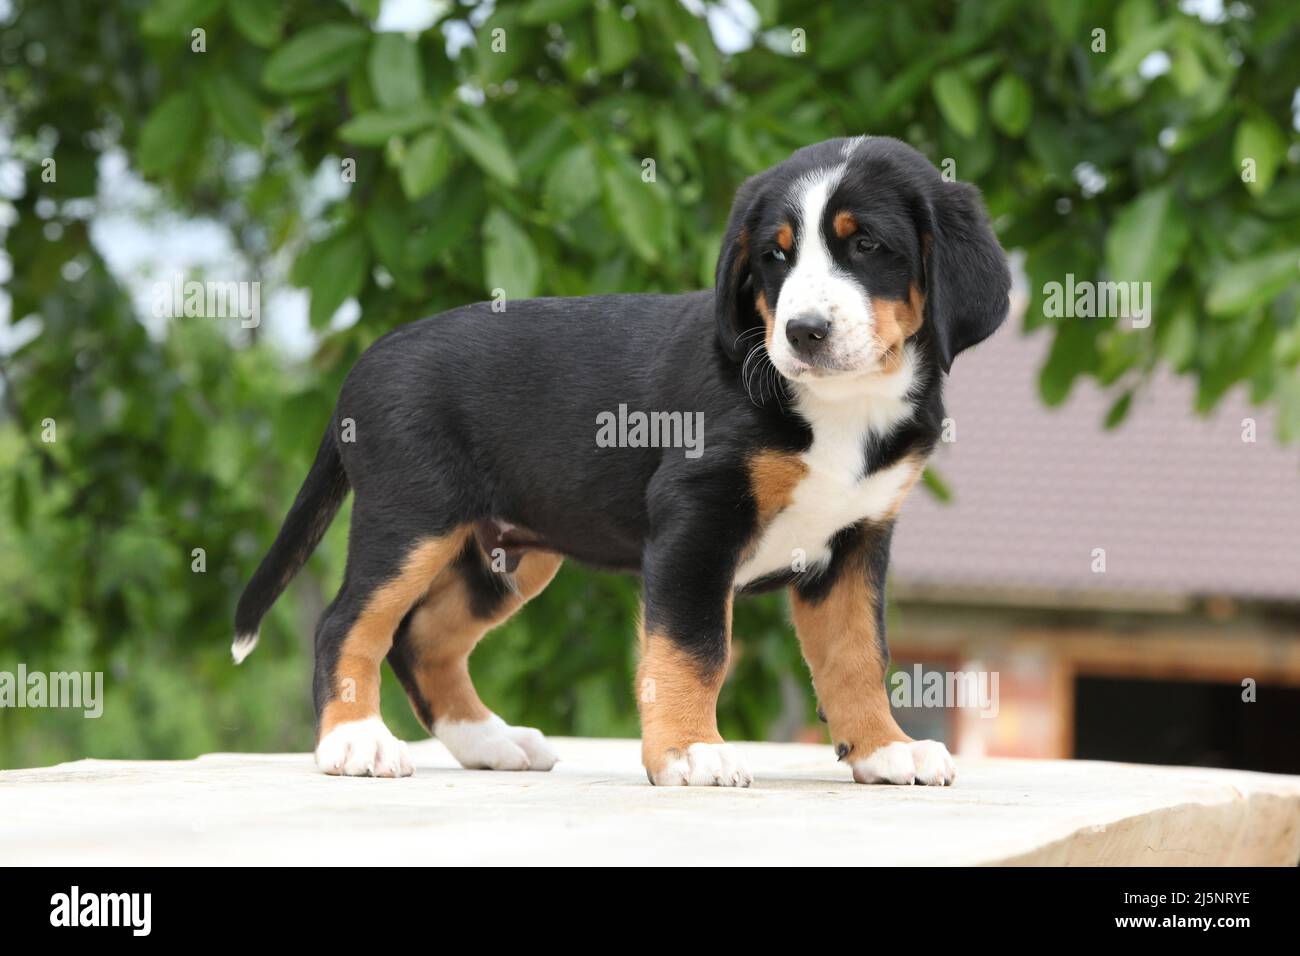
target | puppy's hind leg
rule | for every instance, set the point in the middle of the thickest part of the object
(355, 634)
(431, 658)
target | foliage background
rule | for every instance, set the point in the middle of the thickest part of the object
(522, 170)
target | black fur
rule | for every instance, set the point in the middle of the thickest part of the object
(308, 519)
(476, 416)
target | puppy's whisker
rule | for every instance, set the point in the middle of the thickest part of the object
(746, 370)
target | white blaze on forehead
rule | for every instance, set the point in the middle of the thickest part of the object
(808, 283)
(851, 145)
(816, 284)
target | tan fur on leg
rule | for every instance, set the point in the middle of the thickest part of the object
(443, 631)
(356, 672)
(678, 697)
(840, 643)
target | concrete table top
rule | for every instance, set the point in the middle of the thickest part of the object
(596, 807)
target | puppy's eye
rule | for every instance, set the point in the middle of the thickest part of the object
(865, 245)
(777, 254)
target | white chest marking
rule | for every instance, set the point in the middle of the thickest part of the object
(833, 494)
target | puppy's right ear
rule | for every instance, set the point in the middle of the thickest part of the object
(733, 291)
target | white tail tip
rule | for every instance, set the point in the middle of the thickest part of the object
(243, 646)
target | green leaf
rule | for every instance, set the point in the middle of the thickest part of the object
(551, 11)
(77, 172)
(1245, 285)
(337, 268)
(1187, 70)
(572, 183)
(1066, 17)
(510, 260)
(377, 127)
(1048, 143)
(767, 10)
(1259, 140)
(1118, 411)
(171, 131)
(1133, 17)
(1288, 399)
(842, 47)
(1176, 337)
(616, 39)
(457, 212)
(937, 486)
(978, 68)
(171, 18)
(1073, 353)
(634, 208)
(236, 111)
(425, 164)
(699, 38)
(386, 229)
(1135, 46)
(957, 101)
(484, 144)
(1145, 243)
(1207, 169)
(503, 47)
(261, 21)
(21, 502)
(543, 146)
(673, 141)
(1282, 201)
(395, 73)
(314, 58)
(1011, 104)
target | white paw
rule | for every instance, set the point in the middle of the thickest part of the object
(363, 748)
(493, 744)
(925, 762)
(706, 765)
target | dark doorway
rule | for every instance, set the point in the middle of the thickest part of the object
(1194, 723)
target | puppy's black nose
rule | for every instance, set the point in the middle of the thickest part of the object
(805, 332)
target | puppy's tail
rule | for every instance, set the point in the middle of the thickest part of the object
(317, 502)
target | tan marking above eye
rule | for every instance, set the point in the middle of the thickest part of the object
(845, 225)
(785, 237)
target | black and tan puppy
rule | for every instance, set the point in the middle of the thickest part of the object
(849, 278)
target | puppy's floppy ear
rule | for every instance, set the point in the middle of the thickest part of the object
(733, 290)
(967, 279)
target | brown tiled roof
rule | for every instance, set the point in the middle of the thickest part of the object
(1182, 506)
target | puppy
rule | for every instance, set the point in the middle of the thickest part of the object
(485, 447)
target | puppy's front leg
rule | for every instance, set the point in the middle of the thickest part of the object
(840, 619)
(685, 643)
